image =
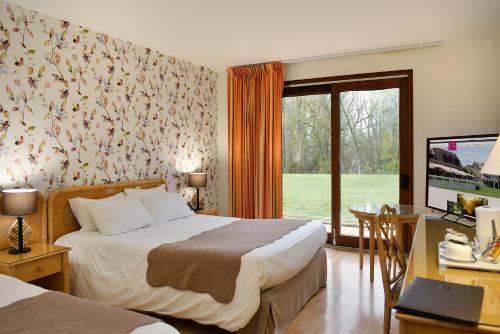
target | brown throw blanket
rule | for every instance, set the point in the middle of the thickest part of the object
(210, 261)
(56, 312)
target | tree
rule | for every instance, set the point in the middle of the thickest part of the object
(369, 132)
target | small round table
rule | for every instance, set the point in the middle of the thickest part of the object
(365, 214)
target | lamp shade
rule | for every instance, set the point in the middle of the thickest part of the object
(492, 164)
(19, 202)
(197, 180)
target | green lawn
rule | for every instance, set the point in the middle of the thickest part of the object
(483, 191)
(309, 195)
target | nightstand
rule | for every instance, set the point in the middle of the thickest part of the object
(208, 211)
(46, 265)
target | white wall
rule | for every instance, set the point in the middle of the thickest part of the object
(222, 144)
(453, 93)
(497, 81)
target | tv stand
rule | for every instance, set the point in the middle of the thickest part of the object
(459, 219)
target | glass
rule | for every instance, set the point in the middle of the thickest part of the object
(401, 209)
(369, 151)
(306, 157)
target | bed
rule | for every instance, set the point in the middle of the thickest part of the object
(14, 291)
(274, 283)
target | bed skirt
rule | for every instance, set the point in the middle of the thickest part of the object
(279, 305)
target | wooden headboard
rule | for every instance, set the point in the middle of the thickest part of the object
(60, 217)
(37, 222)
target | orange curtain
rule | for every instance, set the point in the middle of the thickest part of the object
(254, 115)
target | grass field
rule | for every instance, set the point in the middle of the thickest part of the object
(309, 195)
(483, 191)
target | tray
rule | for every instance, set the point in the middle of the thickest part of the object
(477, 265)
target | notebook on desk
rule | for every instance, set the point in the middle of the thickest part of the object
(442, 300)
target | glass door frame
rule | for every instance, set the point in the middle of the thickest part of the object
(402, 79)
(405, 147)
(314, 89)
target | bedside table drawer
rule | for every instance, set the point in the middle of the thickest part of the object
(39, 268)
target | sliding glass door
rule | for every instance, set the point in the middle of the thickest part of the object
(369, 151)
(346, 142)
(373, 156)
(306, 155)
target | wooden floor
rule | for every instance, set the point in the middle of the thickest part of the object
(349, 303)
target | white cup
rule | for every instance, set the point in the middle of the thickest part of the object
(456, 236)
(457, 251)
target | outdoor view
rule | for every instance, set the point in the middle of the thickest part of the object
(306, 157)
(369, 158)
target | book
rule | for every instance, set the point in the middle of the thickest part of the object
(442, 300)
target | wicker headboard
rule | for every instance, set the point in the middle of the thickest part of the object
(60, 217)
(37, 222)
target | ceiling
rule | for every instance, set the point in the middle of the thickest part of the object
(223, 33)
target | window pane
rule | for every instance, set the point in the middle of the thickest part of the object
(306, 157)
(369, 159)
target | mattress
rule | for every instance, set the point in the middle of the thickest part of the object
(112, 270)
(13, 290)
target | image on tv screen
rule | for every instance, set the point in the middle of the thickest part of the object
(455, 182)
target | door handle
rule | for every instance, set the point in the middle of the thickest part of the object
(404, 181)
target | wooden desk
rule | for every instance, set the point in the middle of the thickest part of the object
(365, 214)
(423, 262)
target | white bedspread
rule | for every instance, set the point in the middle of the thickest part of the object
(112, 270)
(12, 290)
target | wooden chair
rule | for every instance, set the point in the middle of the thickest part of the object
(392, 260)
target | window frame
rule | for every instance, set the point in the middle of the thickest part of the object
(402, 79)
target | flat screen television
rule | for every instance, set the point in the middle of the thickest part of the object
(455, 183)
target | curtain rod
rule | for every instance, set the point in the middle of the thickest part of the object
(353, 53)
(263, 63)
(348, 80)
(367, 51)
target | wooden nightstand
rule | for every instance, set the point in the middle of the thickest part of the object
(208, 211)
(46, 265)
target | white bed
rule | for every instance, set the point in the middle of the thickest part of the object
(13, 289)
(112, 270)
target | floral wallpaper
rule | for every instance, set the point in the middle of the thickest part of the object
(79, 107)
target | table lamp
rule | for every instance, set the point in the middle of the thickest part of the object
(492, 164)
(19, 202)
(197, 180)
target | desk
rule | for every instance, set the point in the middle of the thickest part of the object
(365, 214)
(423, 262)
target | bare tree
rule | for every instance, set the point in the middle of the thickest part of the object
(369, 133)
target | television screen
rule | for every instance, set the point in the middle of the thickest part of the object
(454, 180)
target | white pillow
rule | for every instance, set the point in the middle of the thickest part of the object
(163, 207)
(120, 216)
(141, 193)
(79, 207)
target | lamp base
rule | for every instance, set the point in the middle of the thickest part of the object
(197, 204)
(20, 234)
(19, 251)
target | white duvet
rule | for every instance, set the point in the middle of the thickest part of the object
(12, 290)
(112, 270)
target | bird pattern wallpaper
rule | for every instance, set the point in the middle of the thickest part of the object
(78, 107)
